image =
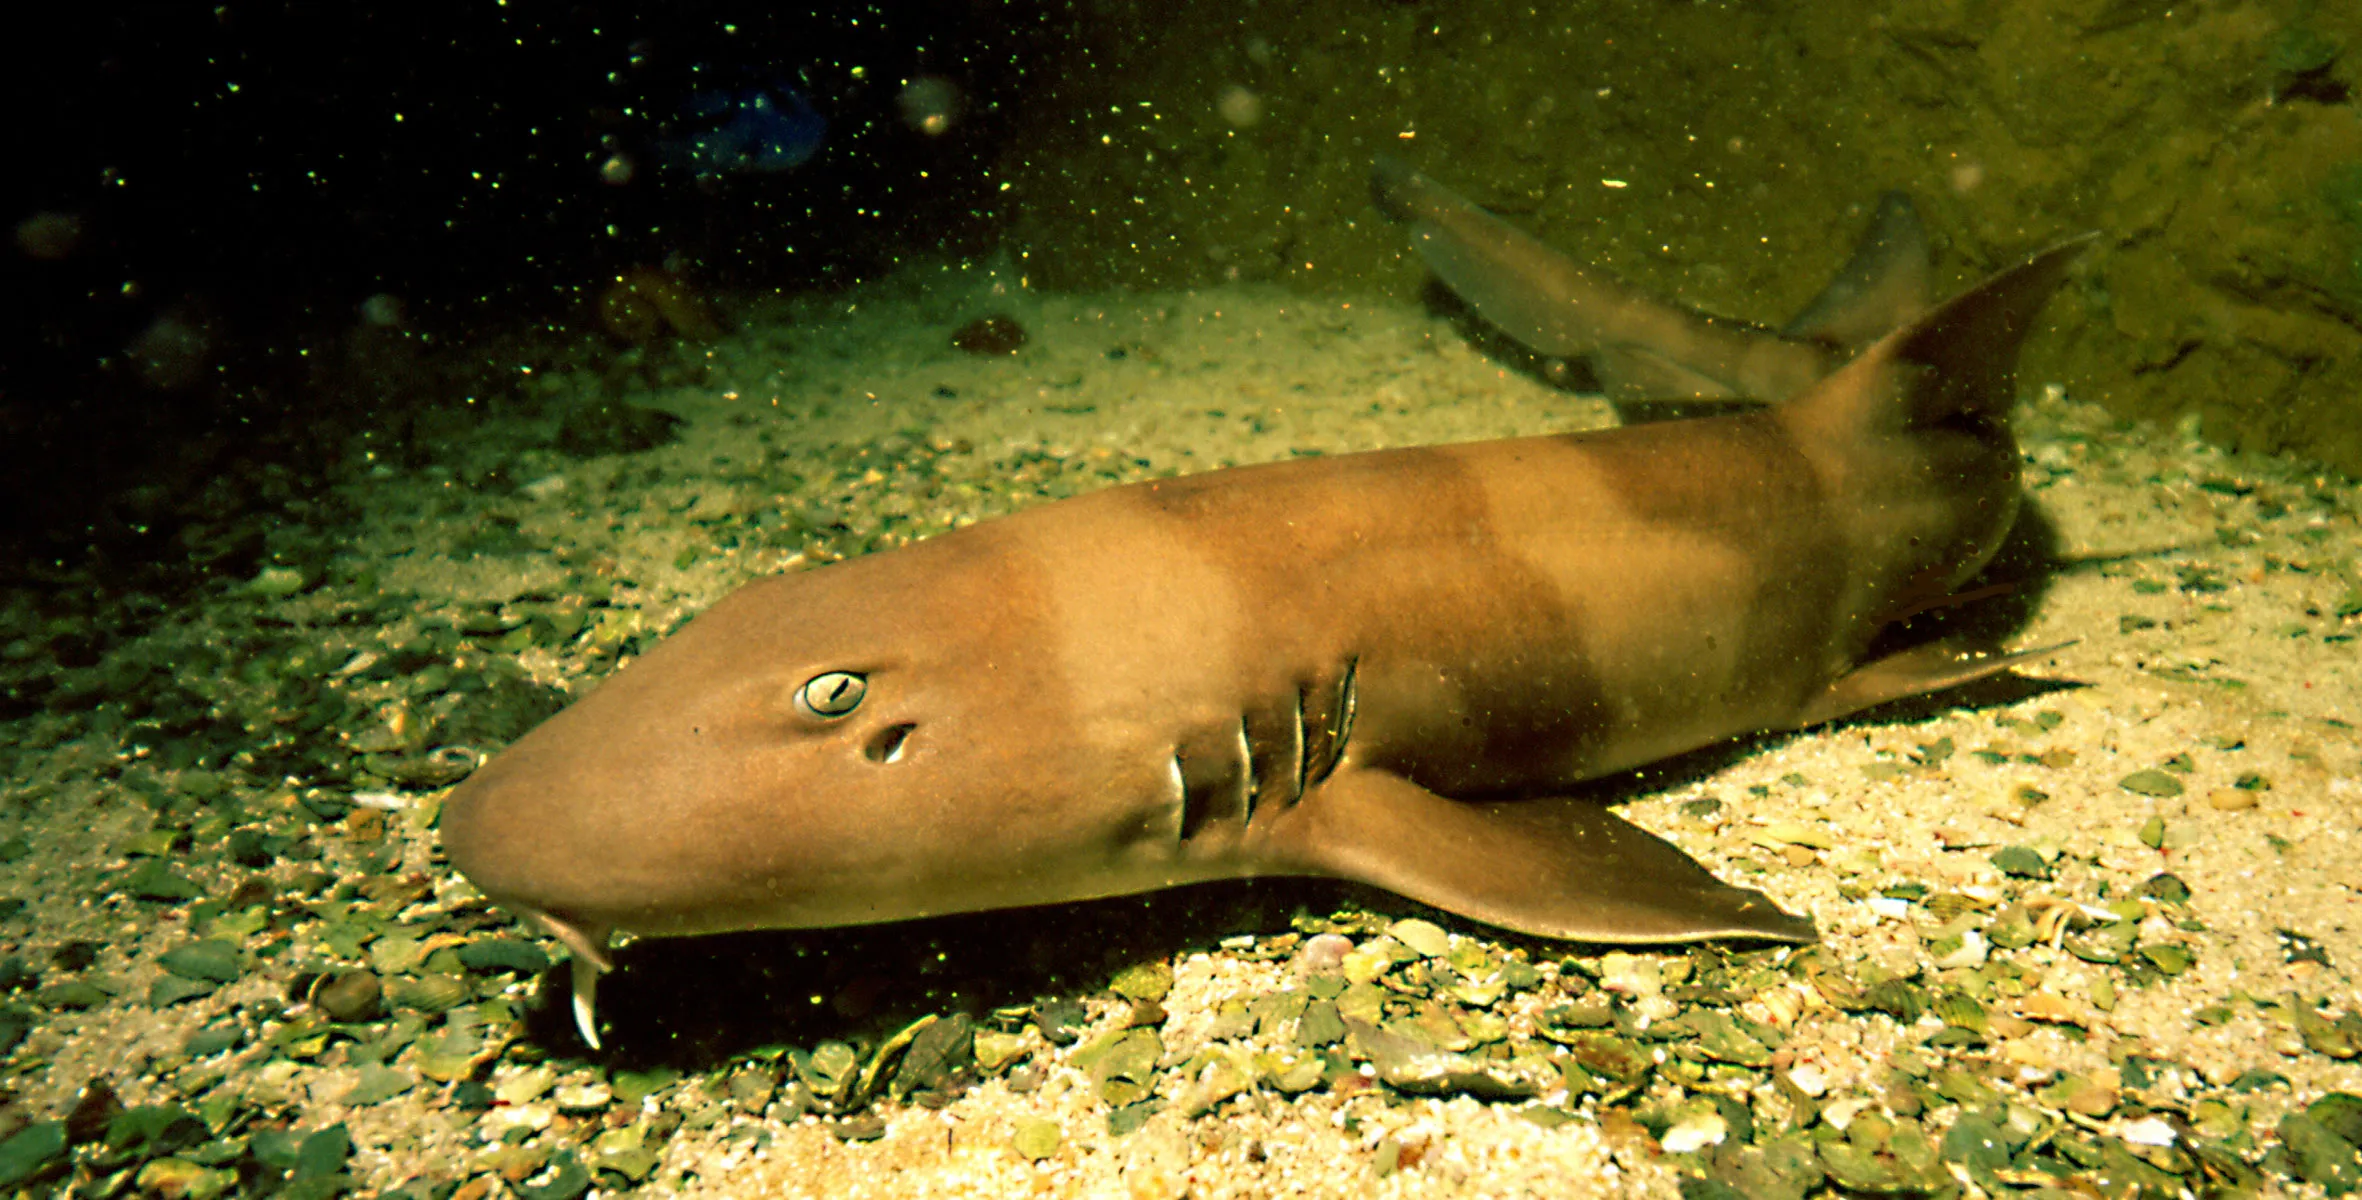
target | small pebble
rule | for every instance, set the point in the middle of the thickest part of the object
(349, 996)
(2230, 800)
(1323, 953)
(1036, 1138)
(583, 1097)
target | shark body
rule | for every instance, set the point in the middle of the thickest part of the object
(1389, 667)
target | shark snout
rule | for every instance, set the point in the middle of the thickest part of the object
(524, 851)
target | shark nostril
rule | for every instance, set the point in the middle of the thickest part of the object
(886, 747)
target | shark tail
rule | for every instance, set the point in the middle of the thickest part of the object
(1400, 192)
(1646, 353)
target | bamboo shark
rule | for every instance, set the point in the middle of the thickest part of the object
(1390, 667)
(1648, 352)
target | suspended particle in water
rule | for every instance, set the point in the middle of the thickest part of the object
(171, 351)
(383, 310)
(1239, 106)
(929, 104)
(617, 170)
(49, 236)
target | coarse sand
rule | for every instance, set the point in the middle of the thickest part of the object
(2203, 606)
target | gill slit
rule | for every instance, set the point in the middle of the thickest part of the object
(1180, 796)
(1230, 777)
(1303, 745)
(1341, 722)
(1251, 784)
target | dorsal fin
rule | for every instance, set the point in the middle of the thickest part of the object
(1961, 357)
(1969, 345)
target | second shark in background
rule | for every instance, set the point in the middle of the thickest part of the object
(1645, 351)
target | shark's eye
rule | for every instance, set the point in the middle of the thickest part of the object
(831, 694)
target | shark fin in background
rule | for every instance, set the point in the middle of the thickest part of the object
(1659, 387)
(1882, 286)
(1554, 866)
(1646, 352)
(1512, 279)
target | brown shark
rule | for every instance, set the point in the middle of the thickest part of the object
(1390, 667)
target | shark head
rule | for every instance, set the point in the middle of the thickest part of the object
(813, 750)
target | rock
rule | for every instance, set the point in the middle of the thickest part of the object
(1320, 1024)
(1408, 1065)
(583, 1097)
(349, 996)
(2020, 862)
(1694, 1132)
(436, 993)
(1425, 937)
(995, 1050)
(1123, 1064)
(2320, 1156)
(504, 954)
(1060, 1020)
(2340, 1113)
(1143, 983)
(180, 1179)
(155, 879)
(377, 1084)
(31, 1150)
(168, 991)
(1323, 953)
(829, 1070)
(73, 994)
(1217, 1081)
(1036, 1138)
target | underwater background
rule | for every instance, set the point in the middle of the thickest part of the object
(375, 380)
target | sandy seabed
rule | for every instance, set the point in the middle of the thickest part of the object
(2197, 601)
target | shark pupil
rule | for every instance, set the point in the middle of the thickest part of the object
(833, 693)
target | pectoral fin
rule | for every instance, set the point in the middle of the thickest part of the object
(1555, 866)
(1914, 672)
